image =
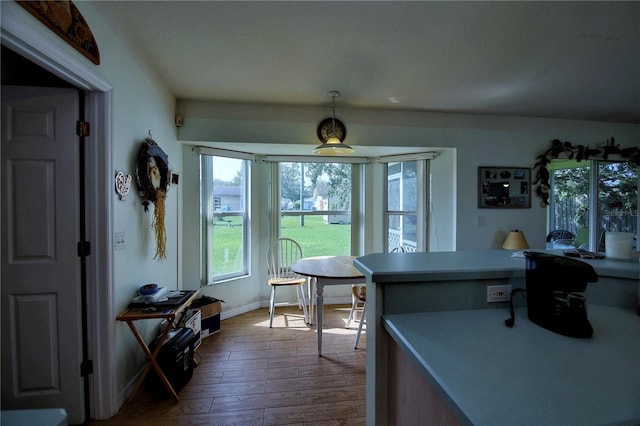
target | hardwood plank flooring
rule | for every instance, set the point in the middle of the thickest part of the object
(252, 375)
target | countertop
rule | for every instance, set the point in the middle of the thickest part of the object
(462, 265)
(490, 374)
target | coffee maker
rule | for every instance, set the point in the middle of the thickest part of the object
(554, 293)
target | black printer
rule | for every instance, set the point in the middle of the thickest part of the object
(175, 358)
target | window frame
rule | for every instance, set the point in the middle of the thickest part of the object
(594, 200)
(422, 199)
(275, 213)
(208, 214)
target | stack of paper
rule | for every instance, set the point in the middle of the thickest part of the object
(159, 296)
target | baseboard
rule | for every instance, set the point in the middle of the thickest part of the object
(230, 313)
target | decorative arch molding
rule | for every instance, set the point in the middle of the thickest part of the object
(64, 19)
(18, 33)
(23, 34)
(566, 149)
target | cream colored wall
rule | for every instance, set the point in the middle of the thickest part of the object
(141, 102)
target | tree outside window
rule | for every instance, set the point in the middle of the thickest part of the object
(617, 197)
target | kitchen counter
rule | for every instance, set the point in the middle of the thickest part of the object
(428, 283)
(459, 265)
(489, 374)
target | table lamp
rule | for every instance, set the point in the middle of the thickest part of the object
(515, 241)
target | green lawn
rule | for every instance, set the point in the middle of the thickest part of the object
(316, 238)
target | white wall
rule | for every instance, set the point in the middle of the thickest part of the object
(141, 102)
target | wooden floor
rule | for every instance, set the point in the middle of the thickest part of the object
(252, 375)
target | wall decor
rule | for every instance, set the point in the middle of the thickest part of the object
(569, 151)
(175, 177)
(123, 185)
(64, 19)
(152, 177)
(504, 187)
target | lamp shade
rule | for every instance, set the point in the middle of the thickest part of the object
(515, 241)
(333, 146)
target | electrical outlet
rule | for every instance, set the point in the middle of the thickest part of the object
(498, 293)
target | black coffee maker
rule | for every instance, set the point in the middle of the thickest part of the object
(554, 300)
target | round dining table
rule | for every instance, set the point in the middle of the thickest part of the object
(323, 271)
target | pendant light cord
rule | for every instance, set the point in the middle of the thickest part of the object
(333, 120)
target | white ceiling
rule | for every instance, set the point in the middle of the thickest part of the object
(542, 59)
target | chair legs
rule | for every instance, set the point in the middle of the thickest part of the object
(362, 321)
(301, 300)
(352, 312)
(311, 291)
(272, 305)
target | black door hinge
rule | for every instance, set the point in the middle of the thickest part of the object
(82, 128)
(84, 248)
(86, 368)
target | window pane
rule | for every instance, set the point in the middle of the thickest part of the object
(228, 245)
(402, 196)
(317, 237)
(315, 188)
(402, 232)
(409, 189)
(402, 186)
(228, 184)
(570, 204)
(224, 207)
(618, 197)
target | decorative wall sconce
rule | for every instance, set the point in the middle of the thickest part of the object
(332, 133)
(123, 185)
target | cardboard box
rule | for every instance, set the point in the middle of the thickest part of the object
(210, 325)
(210, 309)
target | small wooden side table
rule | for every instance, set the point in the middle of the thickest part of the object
(170, 314)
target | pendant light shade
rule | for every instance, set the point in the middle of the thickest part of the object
(333, 146)
(331, 133)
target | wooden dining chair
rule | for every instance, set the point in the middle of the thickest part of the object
(359, 295)
(359, 292)
(280, 255)
(358, 298)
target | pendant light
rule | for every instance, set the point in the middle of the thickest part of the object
(332, 132)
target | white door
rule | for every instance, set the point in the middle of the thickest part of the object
(41, 298)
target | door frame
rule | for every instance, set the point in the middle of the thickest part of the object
(26, 36)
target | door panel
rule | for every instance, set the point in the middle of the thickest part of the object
(39, 221)
(41, 298)
(34, 315)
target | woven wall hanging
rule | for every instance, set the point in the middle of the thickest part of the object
(152, 177)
